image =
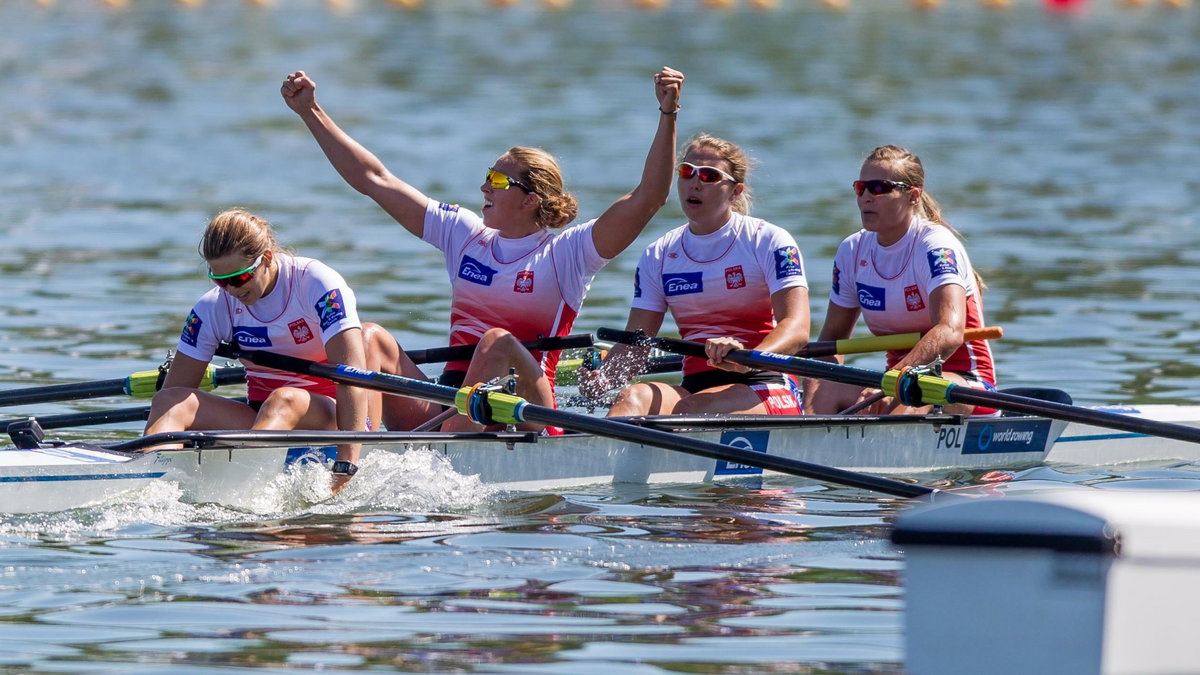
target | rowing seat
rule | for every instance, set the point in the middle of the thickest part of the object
(1040, 393)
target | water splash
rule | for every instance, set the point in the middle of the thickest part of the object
(414, 481)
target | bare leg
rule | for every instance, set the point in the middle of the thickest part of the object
(729, 398)
(647, 398)
(498, 351)
(294, 408)
(397, 413)
(184, 409)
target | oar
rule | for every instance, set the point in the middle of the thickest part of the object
(883, 343)
(488, 407)
(915, 388)
(143, 384)
(140, 384)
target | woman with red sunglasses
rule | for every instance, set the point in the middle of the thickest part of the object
(734, 281)
(515, 277)
(265, 298)
(905, 271)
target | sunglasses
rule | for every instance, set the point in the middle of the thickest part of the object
(235, 279)
(879, 187)
(502, 181)
(708, 174)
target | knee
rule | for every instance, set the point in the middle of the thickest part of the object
(172, 397)
(284, 398)
(380, 346)
(496, 338)
(635, 397)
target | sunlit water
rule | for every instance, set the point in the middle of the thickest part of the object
(1061, 145)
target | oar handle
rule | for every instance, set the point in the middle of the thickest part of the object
(883, 343)
(462, 352)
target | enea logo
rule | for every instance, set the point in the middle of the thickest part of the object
(191, 329)
(475, 272)
(787, 262)
(683, 283)
(331, 308)
(942, 261)
(999, 436)
(251, 336)
(871, 297)
(755, 441)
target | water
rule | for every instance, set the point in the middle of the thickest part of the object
(1061, 145)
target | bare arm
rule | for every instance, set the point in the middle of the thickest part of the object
(347, 348)
(790, 332)
(622, 222)
(357, 165)
(185, 372)
(948, 309)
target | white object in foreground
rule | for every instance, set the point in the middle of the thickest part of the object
(1078, 581)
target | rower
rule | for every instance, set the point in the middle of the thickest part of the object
(734, 280)
(514, 274)
(905, 271)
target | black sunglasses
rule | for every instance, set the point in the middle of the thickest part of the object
(879, 187)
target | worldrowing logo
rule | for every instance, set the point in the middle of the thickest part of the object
(754, 441)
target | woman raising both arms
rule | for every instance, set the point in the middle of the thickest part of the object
(905, 271)
(514, 276)
(266, 298)
(732, 280)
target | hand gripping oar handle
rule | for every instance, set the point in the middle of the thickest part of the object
(508, 409)
(928, 389)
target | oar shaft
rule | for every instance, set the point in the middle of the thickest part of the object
(883, 343)
(435, 393)
(59, 392)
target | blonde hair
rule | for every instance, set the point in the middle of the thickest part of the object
(906, 167)
(237, 231)
(739, 164)
(541, 173)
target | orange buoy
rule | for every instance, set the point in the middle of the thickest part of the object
(927, 5)
(835, 5)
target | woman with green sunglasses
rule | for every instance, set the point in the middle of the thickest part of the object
(515, 276)
(266, 298)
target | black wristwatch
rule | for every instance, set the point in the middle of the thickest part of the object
(344, 467)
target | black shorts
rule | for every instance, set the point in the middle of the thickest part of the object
(707, 379)
(452, 378)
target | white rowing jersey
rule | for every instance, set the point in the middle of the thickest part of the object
(719, 284)
(532, 287)
(891, 286)
(310, 304)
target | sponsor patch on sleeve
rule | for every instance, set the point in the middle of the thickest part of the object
(787, 262)
(331, 309)
(837, 280)
(942, 261)
(637, 283)
(451, 208)
(191, 328)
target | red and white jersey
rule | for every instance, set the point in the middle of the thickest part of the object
(532, 287)
(719, 284)
(891, 285)
(310, 304)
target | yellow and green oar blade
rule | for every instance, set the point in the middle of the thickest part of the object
(508, 409)
(932, 390)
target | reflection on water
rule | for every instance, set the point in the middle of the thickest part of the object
(1061, 145)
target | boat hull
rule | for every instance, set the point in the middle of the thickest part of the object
(64, 477)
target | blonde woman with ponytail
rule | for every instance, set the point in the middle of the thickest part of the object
(905, 271)
(516, 273)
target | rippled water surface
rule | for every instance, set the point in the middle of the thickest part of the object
(1060, 144)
